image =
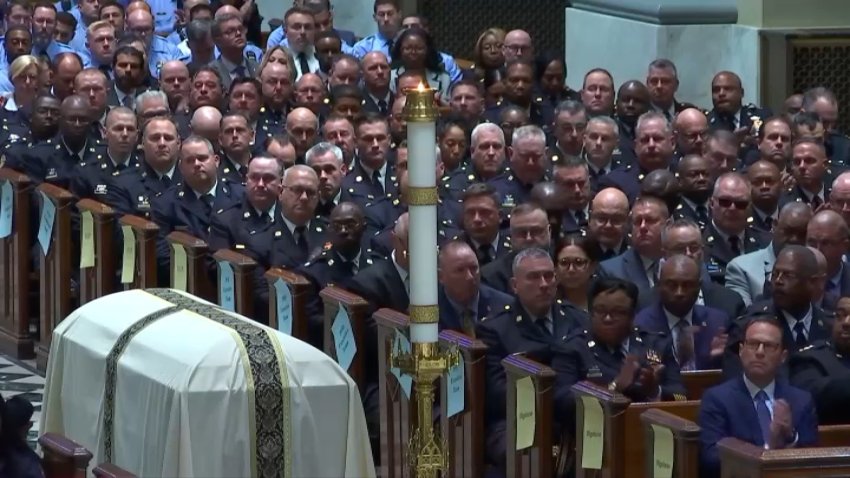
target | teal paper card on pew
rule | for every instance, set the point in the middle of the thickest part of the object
(283, 300)
(45, 227)
(6, 208)
(456, 390)
(402, 345)
(226, 286)
(343, 339)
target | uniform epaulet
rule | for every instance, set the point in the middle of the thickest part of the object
(579, 334)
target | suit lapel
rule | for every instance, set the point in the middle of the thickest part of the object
(703, 337)
(748, 411)
(634, 268)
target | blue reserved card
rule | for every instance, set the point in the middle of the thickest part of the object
(45, 227)
(283, 300)
(7, 203)
(456, 389)
(226, 286)
(344, 343)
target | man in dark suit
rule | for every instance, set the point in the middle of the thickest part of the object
(613, 352)
(698, 332)
(828, 232)
(654, 147)
(823, 369)
(813, 175)
(730, 233)
(640, 263)
(529, 228)
(572, 175)
(229, 36)
(756, 406)
(791, 302)
(464, 301)
(130, 72)
(534, 324)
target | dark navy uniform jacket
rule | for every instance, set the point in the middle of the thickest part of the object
(825, 372)
(134, 194)
(718, 252)
(94, 176)
(232, 228)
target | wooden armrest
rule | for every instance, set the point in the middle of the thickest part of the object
(735, 453)
(520, 366)
(607, 397)
(357, 307)
(188, 241)
(139, 224)
(58, 447)
(342, 296)
(237, 260)
(391, 318)
(678, 425)
(833, 435)
(97, 209)
(14, 177)
(299, 287)
(56, 193)
(108, 470)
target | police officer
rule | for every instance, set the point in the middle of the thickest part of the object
(372, 177)
(519, 91)
(159, 50)
(233, 62)
(245, 98)
(528, 162)
(730, 113)
(695, 189)
(533, 324)
(730, 232)
(235, 138)
(632, 102)
(339, 260)
(487, 165)
(823, 368)
(116, 159)
(529, 227)
(130, 194)
(277, 82)
(55, 160)
(232, 227)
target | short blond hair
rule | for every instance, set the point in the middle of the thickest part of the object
(95, 26)
(21, 65)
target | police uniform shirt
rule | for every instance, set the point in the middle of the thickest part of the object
(211, 192)
(376, 42)
(792, 322)
(169, 174)
(494, 247)
(161, 51)
(774, 217)
(268, 214)
(386, 99)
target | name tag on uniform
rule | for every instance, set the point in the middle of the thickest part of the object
(143, 203)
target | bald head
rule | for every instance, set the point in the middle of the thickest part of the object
(518, 45)
(226, 10)
(680, 264)
(610, 197)
(75, 101)
(206, 123)
(301, 114)
(831, 219)
(174, 67)
(828, 232)
(690, 116)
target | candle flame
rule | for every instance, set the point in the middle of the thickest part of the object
(421, 88)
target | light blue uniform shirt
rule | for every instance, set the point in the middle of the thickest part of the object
(160, 52)
(377, 42)
(278, 37)
(163, 15)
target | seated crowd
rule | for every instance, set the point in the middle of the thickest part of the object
(617, 235)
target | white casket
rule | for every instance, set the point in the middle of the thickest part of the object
(164, 384)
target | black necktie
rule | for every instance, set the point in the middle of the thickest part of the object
(376, 179)
(581, 219)
(302, 61)
(243, 171)
(800, 334)
(121, 166)
(468, 323)
(382, 107)
(768, 221)
(543, 323)
(816, 202)
(608, 253)
(735, 244)
(301, 239)
(165, 181)
(484, 256)
(207, 200)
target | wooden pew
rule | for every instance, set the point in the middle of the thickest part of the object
(740, 459)
(55, 271)
(108, 470)
(834, 435)
(63, 458)
(397, 412)
(145, 234)
(243, 276)
(538, 460)
(685, 442)
(299, 287)
(465, 432)
(197, 272)
(99, 280)
(15, 268)
(623, 445)
(697, 381)
(357, 308)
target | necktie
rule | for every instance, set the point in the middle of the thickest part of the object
(165, 181)
(816, 202)
(346, 267)
(302, 62)
(768, 221)
(684, 345)
(127, 101)
(121, 166)
(800, 334)
(735, 245)
(376, 180)
(618, 354)
(764, 415)
(105, 70)
(608, 253)
(545, 325)
(382, 107)
(484, 256)
(667, 115)
(243, 171)
(389, 49)
(301, 239)
(468, 323)
(581, 219)
(239, 71)
(702, 214)
(651, 272)
(207, 200)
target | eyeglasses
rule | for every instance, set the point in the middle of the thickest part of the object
(233, 31)
(754, 345)
(298, 191)
(576, 263)
(728, 203)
